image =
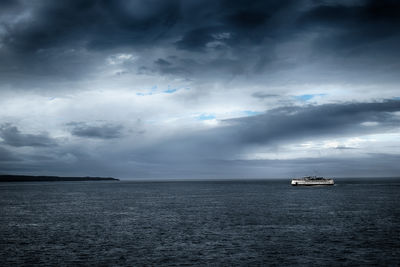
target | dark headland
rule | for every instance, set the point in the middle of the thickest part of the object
(29, 178)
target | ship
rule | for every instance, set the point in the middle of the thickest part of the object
(312, 180)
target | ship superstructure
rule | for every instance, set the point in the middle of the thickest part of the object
(312, 180)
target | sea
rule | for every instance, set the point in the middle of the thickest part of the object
(200, 223)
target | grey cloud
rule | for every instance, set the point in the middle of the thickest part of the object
(171, 66)
(196, 39)
(162, 62)
(102, 131)
(344, 147)
(214, 152)
(277, 126)
(13, 137)
(6, 155)
(290, 123)
(262, 95)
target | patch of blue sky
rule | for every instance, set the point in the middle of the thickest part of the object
(144, 94)
(155, 90)
(151, 91)
(251, 112)
(170, 91)
(307, 97)
(206, 117)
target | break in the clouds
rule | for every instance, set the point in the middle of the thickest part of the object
(191, 88)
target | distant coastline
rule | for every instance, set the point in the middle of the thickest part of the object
(30, 178)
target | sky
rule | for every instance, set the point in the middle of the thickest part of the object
(200, 89)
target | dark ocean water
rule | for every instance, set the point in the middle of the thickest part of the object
(356, 222)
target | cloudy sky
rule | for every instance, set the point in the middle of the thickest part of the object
(200, 88)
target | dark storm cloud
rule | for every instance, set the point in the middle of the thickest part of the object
(61, 38)
(196, 39)
(102, 24)
(172, 67)
(103, 131)
(13, 137)
(372, 15)
(93, 24)
(8, 4)
(236, 23)
(356, 28)
(162, 62)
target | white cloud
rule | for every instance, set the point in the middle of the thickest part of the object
(120, 58)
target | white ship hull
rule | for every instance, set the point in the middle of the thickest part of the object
(311, 182)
